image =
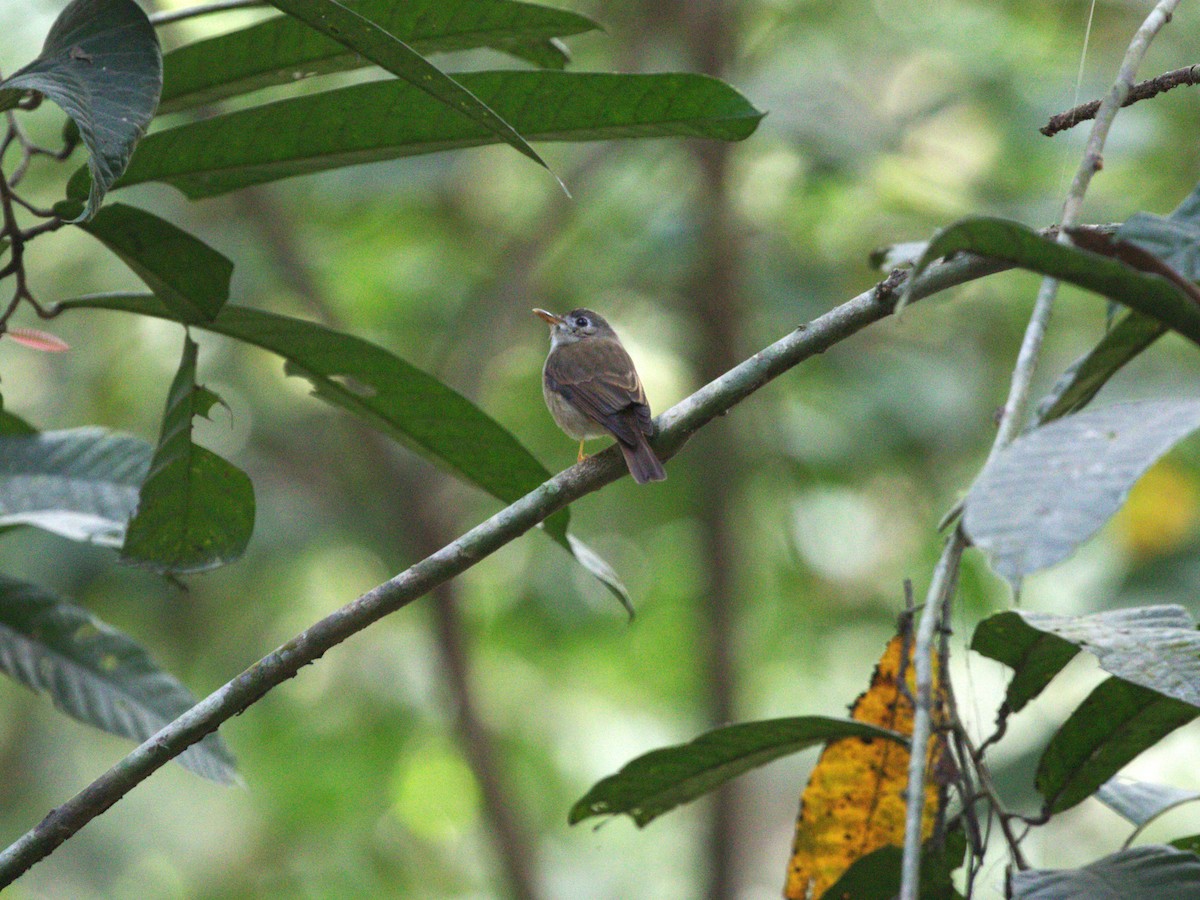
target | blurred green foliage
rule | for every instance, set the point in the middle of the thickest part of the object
(886, 120)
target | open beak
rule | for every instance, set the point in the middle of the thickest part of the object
(549, 318)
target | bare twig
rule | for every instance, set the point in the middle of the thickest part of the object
(1143, 90)
(1011, 420)
(676, 426)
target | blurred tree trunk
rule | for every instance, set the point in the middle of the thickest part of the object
(709, 30)
(426, 532)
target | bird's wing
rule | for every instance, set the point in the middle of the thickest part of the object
(602, 384)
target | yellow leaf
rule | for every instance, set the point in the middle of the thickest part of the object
(854, 802)
(1160, 513)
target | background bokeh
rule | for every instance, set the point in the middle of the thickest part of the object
(436, 754)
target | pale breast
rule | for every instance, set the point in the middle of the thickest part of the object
(569, 419)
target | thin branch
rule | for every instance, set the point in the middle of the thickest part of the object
(1143, 90)
(1013, 416)
(676, 426)
(178, 15)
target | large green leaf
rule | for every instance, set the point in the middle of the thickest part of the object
(95, 673)
(195, 510)
(190, 277)
(280, 49)
(1052, 488)
(363, 36)
(389, 119)
(394, 397)
(81, 484)
(1155, 871)
(1013, 242)
(101, 63)
(660, 780)
(1115, 723)
(876, 876)
(1157, 647)
(1034, 656)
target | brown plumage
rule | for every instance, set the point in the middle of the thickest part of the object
(592, 389)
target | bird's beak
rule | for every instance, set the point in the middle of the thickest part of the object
(549, 318)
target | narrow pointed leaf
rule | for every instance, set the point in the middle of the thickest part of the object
(600, 569)
(1114, 724)
(1161, 872)
(190, 277)
(95, 673)
(397, 398)
(1140, 802)
(1175, 238)
(389, 119)
(660, 780)
(1013, 242)
(1080, 383)
(363, 36)
(195, 510)
(378, 387)
(1055, 486)
(81, 484)
(282, 49)
(101, 63)
(12, 425)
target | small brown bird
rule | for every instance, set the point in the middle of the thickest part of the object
(593, 390)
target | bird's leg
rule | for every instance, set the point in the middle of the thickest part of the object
(581, 457)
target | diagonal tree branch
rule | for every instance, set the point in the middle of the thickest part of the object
(676, 426)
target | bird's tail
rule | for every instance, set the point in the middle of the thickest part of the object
(643, 464)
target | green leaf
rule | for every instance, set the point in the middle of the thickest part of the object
(81, 484)
(1080, 383)
(389, 119)
(1156, 647)
(657, 782)
(190, 277)
(378, 387)
(12, 425)
(600, 569)
(101, 63)
(1175, 240)
(1034, 656)
(1191, 843)
(1114, 724)
(195, 510)
(389, 394)
(365, 37)
(876, 876)
(1156, 871)
(281, 49)
(1013, 242)
(95, 673)
(1140, 802)
(1052, 488)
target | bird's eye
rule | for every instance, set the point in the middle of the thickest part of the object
(581, 322)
